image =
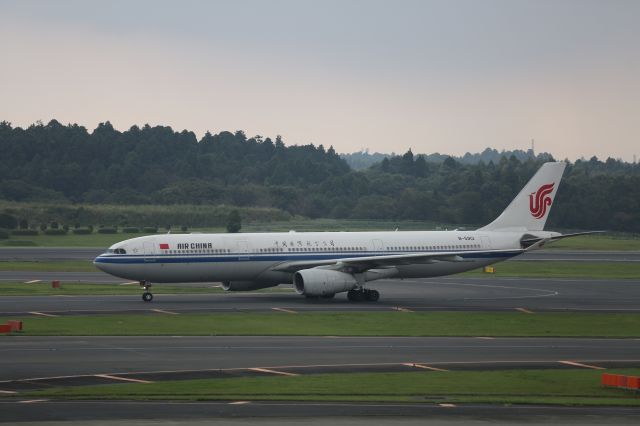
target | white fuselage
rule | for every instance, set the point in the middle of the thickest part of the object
(252, 257)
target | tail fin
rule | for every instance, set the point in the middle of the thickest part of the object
(530, 209)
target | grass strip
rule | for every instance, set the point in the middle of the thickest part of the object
(563, 387)
(501, 324)
(598, 242)
(563, 269)
(587, 242)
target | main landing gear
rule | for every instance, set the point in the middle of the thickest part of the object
(146, 296)
(361, 295)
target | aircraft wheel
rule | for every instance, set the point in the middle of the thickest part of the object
(372, 295)
(355, 295)
(147, 297)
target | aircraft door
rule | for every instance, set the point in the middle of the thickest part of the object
(377, 245)
(486, 243)
(243, 250)
(149, 249)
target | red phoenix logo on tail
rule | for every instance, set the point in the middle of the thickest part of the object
(540, 200)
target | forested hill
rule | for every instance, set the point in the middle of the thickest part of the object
(156, 165)
(364, 159)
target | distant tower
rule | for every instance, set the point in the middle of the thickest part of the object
(533, 146)
(634, 158)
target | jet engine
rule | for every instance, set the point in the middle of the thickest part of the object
(245, 285)
(322, 282)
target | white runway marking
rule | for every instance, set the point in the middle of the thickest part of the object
(32, 281)
(289, 311)
(162, 311)
(31, 401)
(398, 308)
(4, 392)
(265, 370)
(239, 402)
(426, 367)
(130, 283)
(525, 310)
(42, 314)
(577, 364)
(447, 405)
(124, 379)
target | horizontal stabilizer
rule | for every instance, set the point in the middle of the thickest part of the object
(527, 242)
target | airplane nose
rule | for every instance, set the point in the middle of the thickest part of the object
(98, 263)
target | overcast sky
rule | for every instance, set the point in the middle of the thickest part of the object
(436, 76)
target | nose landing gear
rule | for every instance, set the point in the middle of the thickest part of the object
(146, 296)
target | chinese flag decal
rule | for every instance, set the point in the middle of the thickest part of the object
(164, 246)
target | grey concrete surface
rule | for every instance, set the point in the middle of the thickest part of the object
(447, 293)
(163, 413)
(31, 357)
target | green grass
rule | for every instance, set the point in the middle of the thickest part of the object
(598, 242)
(589, 242)
(69, 240)
(563, 387)
(563, 269)
(354, 225)
(341, 324)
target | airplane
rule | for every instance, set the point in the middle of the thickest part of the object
(322, 264)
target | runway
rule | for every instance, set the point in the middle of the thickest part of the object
(37, 359)
(448, 293)
(89, 253)
(33, 362)
(154, 413)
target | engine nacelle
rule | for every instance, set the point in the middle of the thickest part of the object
(322, 282)
(245, 285)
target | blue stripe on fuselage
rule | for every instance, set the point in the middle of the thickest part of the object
(248, 257)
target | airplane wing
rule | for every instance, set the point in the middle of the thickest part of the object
(361, 264)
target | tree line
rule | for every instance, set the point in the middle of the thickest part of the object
(364, 159)
(67, 165)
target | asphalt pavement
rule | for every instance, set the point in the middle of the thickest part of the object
(241, 413)
(29, 358)
(446, 293)
(28, 362)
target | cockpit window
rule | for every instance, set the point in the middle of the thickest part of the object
(116, 251)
